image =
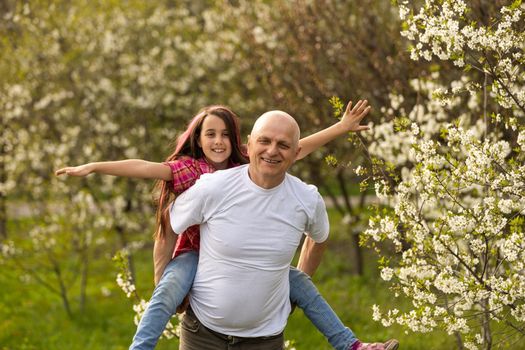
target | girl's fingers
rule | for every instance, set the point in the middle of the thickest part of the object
(66, 171)
(359, 110)
(348, 107)
(360, 105)
(363, 113)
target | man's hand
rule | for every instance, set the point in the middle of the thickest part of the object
(184, 305)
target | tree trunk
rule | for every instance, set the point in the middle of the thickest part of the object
(459, 341)
(84, 274)
(3, 199)
(3, 216)
(485, 326)
(357, 253)
(457, 335)
(63, 289)
(123, 237)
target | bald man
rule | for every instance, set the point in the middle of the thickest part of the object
(252, 219)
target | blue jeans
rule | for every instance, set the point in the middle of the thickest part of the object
(173, 286)
(176, 282)
(305, 295)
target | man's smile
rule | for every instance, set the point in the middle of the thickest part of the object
(271, 161)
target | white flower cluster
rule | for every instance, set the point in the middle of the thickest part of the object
(445, 230)
(457, 211)
(289, 345)
(125, 282)
(45, 236)
(7, 249)
(172, 330)
(420, 320)
(139, 308)
(443, 29)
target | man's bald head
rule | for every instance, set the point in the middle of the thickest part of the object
(278, 118)
(273, 146)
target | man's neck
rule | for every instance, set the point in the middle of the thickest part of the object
(265, 182)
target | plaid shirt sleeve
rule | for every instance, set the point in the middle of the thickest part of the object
(185, 172)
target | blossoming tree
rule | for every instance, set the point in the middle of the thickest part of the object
(87, 83)
(449, 167)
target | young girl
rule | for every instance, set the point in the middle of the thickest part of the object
(212, 142)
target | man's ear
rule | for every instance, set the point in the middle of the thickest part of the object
(297, 152)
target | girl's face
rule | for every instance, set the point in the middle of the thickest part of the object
(214, 140)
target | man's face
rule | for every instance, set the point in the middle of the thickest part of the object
(272, 149)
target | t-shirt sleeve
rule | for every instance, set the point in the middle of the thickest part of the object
(185, 171)
(319, 226)
(188, 209)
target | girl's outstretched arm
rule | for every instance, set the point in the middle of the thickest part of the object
(349, 122)
(128, 168)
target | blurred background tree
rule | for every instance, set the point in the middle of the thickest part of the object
(110, 81)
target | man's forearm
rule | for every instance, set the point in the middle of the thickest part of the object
(311, 255)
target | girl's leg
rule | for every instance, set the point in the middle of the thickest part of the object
(169, 293)
(304, 293)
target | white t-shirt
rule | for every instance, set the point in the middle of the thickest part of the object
(248, 238)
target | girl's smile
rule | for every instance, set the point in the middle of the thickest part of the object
(215, 142)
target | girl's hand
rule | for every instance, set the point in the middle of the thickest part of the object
(81, 170)
(353, 116)
(184, 306)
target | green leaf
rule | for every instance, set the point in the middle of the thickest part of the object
(331, 160)
(515, 5)
(337, 106)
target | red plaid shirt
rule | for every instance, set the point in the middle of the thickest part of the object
(186, 171)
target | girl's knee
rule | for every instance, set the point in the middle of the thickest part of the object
(298, 277)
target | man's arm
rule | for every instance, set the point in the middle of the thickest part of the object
(311, 255)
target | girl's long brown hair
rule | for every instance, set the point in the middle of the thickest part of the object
(187, 145)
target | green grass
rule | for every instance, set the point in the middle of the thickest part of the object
(33, 318)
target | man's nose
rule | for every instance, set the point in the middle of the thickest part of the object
(272, 149)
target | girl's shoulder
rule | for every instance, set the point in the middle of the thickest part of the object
(188, 164)
(185, 171)
(184, 162)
